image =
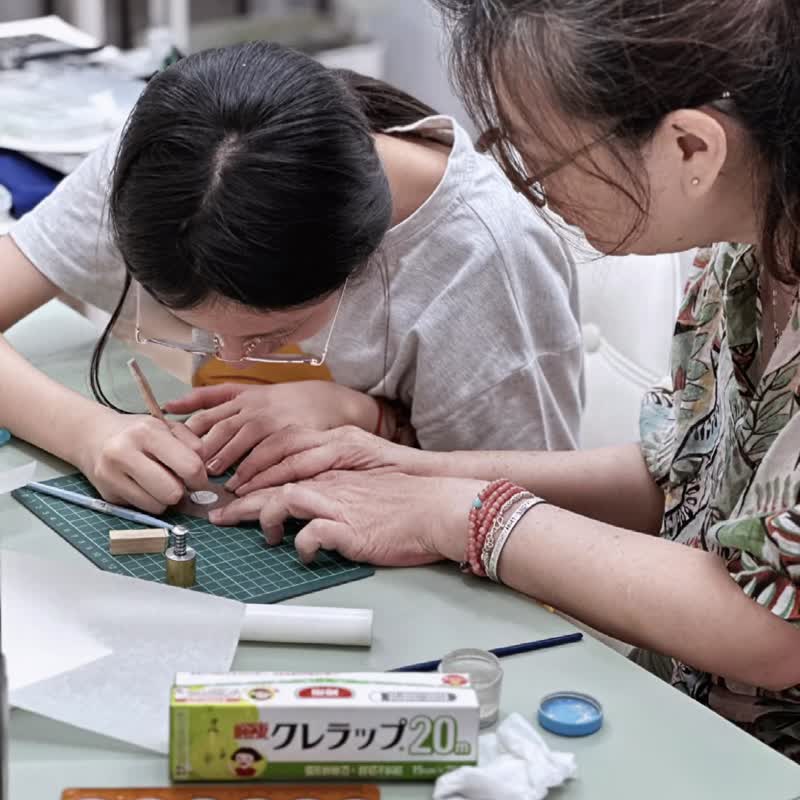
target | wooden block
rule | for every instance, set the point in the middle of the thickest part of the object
(149, 540)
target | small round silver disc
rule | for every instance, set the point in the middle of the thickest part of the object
(204, 498)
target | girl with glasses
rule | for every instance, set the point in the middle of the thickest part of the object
(280, 223)
(655, 126)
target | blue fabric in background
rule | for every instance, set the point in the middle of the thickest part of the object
(28, 182)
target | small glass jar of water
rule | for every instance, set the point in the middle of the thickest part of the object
(485, 676)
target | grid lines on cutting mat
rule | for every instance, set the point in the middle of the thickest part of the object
(231, 562)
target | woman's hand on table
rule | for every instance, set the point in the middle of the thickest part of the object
(296, 454)
(141, 461)
(232, 418)
(386, 519)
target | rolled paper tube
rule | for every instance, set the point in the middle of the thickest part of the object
(351, 627)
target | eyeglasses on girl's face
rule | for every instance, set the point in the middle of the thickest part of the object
(256, 349)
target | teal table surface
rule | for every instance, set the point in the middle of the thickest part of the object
(655, 744)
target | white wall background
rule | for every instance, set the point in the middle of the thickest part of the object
(415, 53)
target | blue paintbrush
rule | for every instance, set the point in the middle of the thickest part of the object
(502, 652)
(99, 505)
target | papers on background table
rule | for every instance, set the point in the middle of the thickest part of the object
(42, 35)
(55, 107)
(68, 110)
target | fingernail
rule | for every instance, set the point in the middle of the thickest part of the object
(233, 484)
(215, 516)
(273, 533)
(213, 465)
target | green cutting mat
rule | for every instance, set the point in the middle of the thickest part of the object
(231, 562)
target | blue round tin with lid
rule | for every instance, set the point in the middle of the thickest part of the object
(5, 436)
(570, 714)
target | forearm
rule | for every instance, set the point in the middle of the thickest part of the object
(39, 410)
(26, 288)
(652, 593)
(612, 484)
(377, 415)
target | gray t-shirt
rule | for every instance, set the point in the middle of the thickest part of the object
(480, 336)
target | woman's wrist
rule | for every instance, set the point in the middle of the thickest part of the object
(386, 421)
(477, 521)
(372, 414)
(435, 464)
(92, 418)
(361, 410)
(394, 423)
(450, 528)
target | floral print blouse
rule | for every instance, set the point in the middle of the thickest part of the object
(724, 444)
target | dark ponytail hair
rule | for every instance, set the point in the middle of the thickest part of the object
(250, 173)
(622, 66)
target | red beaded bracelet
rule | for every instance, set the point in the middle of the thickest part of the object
(482, 515)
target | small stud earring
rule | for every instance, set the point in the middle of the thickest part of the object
(695, 181)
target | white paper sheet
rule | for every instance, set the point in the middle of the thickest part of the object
(17, 477)
(41, 638)
(153, 632)
(44, 645)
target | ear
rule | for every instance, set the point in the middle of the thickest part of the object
(697, 144)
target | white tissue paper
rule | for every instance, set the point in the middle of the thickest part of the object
(515, 763)
(152, 632)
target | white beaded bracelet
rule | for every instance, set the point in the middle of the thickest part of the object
(488, 544)
(493, 560)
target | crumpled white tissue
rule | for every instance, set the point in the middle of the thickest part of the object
(515, 763)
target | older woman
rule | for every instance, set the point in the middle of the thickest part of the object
(654, 126)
